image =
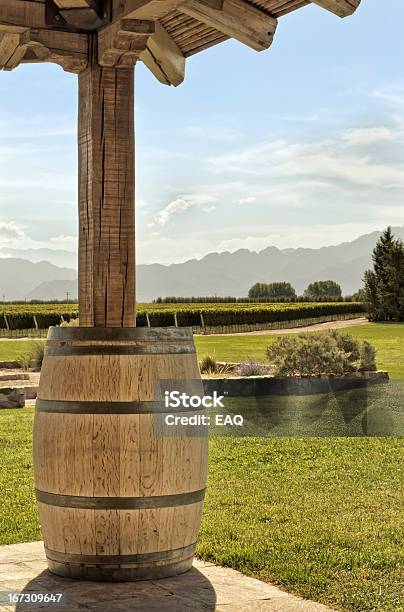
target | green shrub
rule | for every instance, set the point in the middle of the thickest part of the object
(252, 368)
(367, 357)
(329, 352)
(208, 365)
(34, 357)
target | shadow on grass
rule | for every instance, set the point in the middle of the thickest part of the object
(374, 411)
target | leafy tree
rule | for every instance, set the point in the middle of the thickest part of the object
(359, 296)
(258, 290)
(281, 290)
(327, 288)
(271, 290)
(384, 285)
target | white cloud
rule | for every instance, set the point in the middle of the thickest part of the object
(14, 236)
(10, 232)
(183, 203)
(368, 136)
(393, 94)
(333, 159)
(68, 243)
(247, 200)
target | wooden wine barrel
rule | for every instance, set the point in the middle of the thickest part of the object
(117, 501)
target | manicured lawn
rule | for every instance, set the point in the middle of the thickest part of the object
(18, 515)
(320, 517)
(12, 349)
(387, 338)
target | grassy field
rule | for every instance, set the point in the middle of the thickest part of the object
(11, 350)
(388, 338)
(321, 517)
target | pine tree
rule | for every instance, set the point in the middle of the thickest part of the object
(384, 285)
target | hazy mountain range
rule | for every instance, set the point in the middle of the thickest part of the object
(216, 273)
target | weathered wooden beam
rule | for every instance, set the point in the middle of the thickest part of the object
(13, 46)
(49, 15)
(106, 195)
(342, 8)
(67, 49)
(121, 43)
(143, 9)
(236, 19)
(77, 4)
(20, 45)
(164, 58)
(23, 13)
(82, 14)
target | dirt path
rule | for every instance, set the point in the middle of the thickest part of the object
(307, 328)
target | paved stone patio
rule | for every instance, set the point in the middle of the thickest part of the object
(206, 587)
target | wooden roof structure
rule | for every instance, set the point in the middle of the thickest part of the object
(101, 41)
(160, 33)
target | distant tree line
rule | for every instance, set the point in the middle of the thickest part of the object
(37, 301)
(247, 300)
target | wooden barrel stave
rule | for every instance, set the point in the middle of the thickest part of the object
(86, 461)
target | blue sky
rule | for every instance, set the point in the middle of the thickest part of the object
(301, 145)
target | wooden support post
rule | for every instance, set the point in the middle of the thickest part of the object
(106, 195)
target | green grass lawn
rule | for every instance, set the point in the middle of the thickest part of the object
(388, 338)
(11, 350)
(320, 517)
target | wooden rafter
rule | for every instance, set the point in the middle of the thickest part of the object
(81, 14)
(23, 13)
(342, 8)
(237, 19)
(161, 33)
(77, 4)
(143, 9)
(164, 58)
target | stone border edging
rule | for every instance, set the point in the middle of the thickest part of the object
(243, 386)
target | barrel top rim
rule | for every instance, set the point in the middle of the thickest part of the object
(120, 333)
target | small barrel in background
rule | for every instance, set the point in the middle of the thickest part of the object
(116, 501)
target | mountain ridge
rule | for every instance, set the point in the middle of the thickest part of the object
(233, 273)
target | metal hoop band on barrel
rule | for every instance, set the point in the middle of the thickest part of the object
(72, 407)
(120, 503)
(102, 349)
(164, 555)
(116, 334)
(117, 573)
